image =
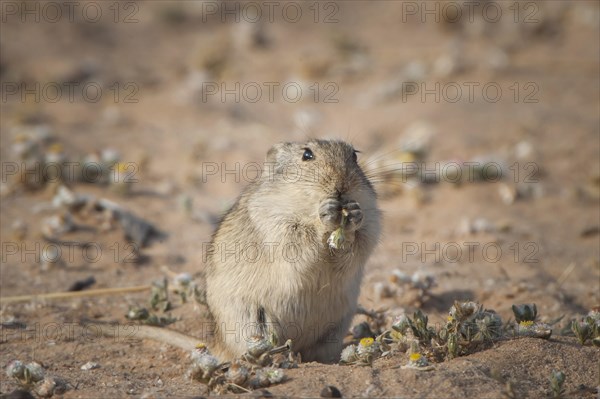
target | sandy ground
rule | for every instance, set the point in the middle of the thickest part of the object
(179, 88)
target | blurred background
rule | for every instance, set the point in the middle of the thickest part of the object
(172, 95)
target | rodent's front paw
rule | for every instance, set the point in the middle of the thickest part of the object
(330, 213)
(355, 215)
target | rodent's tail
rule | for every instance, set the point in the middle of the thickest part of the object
(171, 337)
(136, 332)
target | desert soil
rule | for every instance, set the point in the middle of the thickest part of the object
(528, 84)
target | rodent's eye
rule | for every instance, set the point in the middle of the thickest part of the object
(308, 155)
(355, 156)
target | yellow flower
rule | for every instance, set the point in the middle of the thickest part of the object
(415, 357)
(526, 323)
(450, 319)
(200, 345)
(366, 342)
(55, 148)
(122, 167)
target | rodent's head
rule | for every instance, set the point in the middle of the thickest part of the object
(329, 168)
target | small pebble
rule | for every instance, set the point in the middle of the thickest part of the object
(382, 290)
(19, 394)
(497, 59)
(508, 193)
(524, 150)
(362, 330)
(330, 392)
(90, 366)
(19, 230)
(590, 231)
(46, 387)
(81, 285)
(261, 393)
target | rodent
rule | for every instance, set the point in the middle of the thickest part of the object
(270, 270)
(308, 296)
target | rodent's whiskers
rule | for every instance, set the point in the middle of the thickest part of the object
(380, 155)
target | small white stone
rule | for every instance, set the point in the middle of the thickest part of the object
(381, 290)
(90, 366)
(507, 193)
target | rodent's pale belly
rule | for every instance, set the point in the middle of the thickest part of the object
(313, 313)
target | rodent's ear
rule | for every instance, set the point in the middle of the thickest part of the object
(275, 155)
(273, 151)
